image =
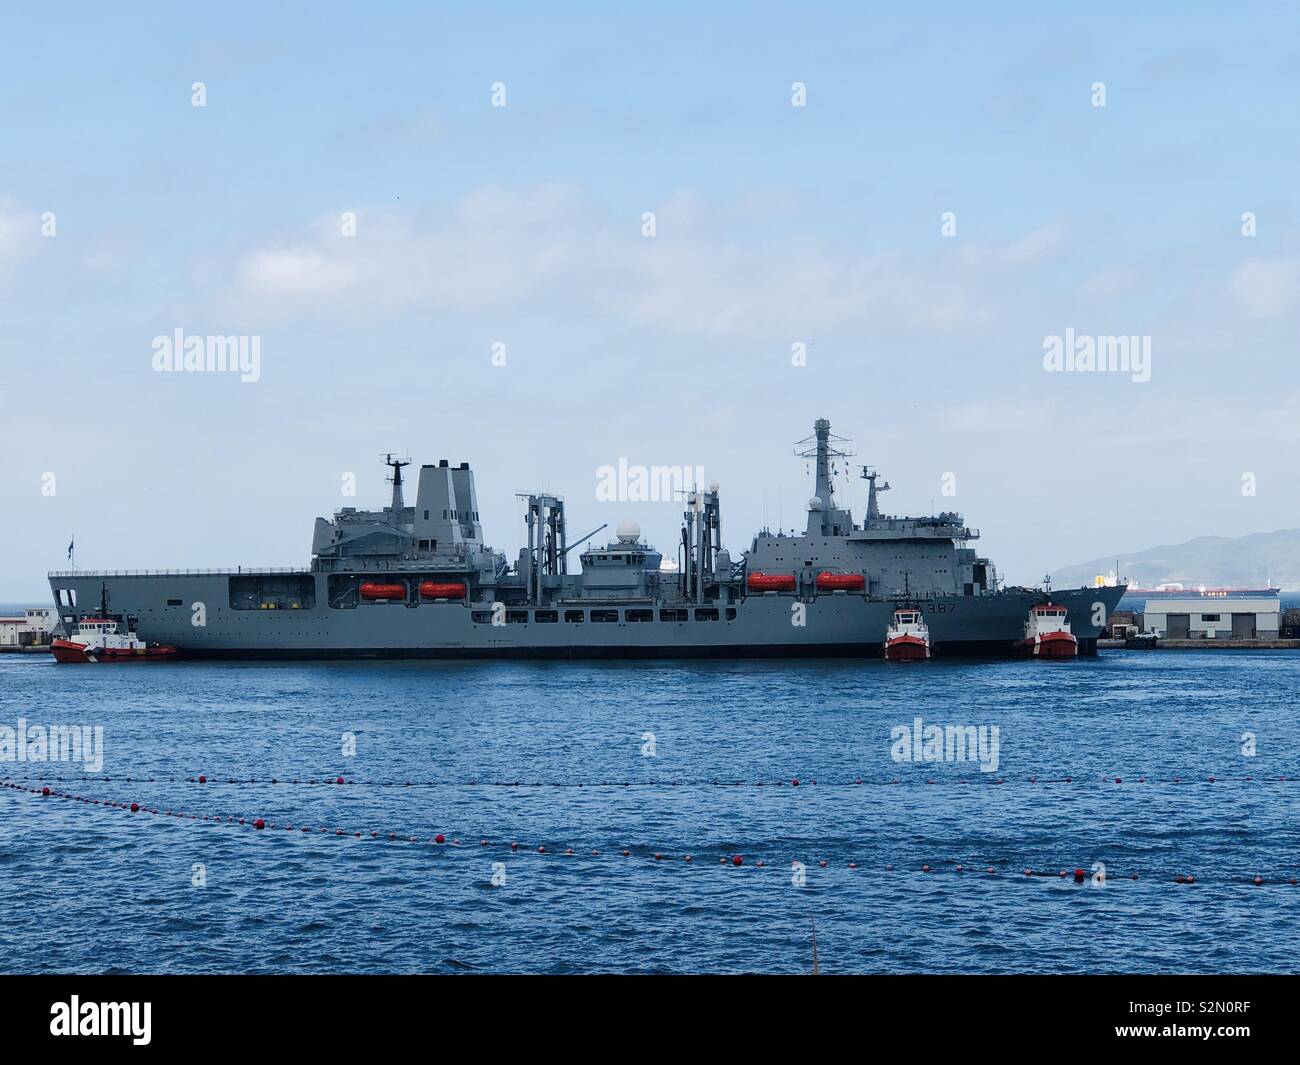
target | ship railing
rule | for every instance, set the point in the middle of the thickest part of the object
(174, 572)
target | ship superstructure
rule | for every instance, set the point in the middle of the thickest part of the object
(419, 581)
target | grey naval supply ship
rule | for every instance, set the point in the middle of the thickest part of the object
(420, 582)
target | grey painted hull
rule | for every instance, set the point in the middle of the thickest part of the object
(838, 624)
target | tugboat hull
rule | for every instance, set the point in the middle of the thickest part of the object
(907, 649)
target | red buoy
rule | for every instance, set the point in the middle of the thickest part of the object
(439, 838)
(541, 850)
(795, 782)
(1258, 880)
(925, 868)
(259, 823)
(135, 807)
(738, 860)
(822, 863)
(45, 791)
(202, 779)
(1078, 876)
(339, 780)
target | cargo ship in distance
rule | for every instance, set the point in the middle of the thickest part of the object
(420, 582)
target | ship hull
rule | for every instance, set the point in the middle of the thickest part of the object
(834, 625)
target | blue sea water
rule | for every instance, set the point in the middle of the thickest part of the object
(556, 755)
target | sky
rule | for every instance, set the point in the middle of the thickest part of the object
(586, 233)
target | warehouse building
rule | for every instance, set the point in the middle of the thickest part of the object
(31, 627)
(1202, 618)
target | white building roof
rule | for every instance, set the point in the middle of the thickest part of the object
(1260, 604)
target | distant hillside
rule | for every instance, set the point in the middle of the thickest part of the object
(1214, 561)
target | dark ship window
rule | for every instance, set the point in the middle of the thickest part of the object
(481, 617)
(273, 592)
(672, 614)
(175, 602)
(573, 617)
(706, 614)
(516, 617)
(640, 615)
(604, 615)
(546, 617)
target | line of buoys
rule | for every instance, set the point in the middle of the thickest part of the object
(1078, 874)
(697, 783)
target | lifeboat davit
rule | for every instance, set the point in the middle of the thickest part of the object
(771, 582)
(375, 590)
(442, 590)
(835, 582)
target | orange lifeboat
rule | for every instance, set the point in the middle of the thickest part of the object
(771, 582)
(374, 590)
(834, 582)
(442, 590)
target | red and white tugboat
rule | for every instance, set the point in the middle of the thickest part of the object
(1047, 633)
(908, 637)
(106, 638)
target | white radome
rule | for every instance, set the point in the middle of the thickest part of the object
(628, 532)
(815, 503)
(715, 488)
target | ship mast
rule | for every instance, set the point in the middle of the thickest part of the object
(395, 480)
(873, 504)
(821, 446)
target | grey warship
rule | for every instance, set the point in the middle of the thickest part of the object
(420, 582)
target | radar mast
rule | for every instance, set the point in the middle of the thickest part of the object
(823, 447)
(395, 464)
(869, 474)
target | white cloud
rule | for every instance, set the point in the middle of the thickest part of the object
(710, 270)
(1265, 288)
(19, 232)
